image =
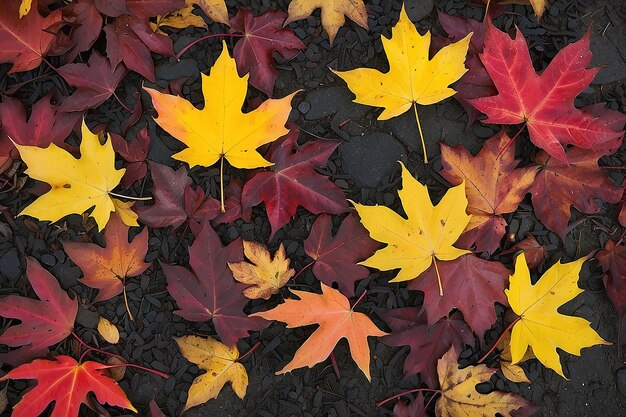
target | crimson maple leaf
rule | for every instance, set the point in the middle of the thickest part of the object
(66, 383)
(209, 292)
(151, 8)
(428, 342)
(84, 22)
(612, 259)
(263, 35)
(544, 102)
(134, 153)
(95, 82)
(474, 286)
(292, 181)
(44, 322)
(25, 41)
(335, 257)
(175, 200)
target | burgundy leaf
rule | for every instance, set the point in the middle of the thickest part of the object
(612, 259)
(134, 153)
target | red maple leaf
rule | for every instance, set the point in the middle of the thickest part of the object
(415, 408)
(112, 8)
(335, 257)
(612, 259)
(428, 342)
(134, 153)
(151, 8)
(131, 41)
(24, 42)
(95, 82)
(209, 292)
(44, 322)
(292, 181)
(263, 35)
(534, 252)
(84, 22)
(474, 286)
(544, 102)
(66, 383)
(175, 200)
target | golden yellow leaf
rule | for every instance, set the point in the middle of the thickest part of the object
(25, 7)
(334, 13)
(179, 19)
(108, 331)
(413, 78)
(459, 397)
(77, 184)
(265, 275)
(220, 130)
(512, 372)
(125, 211)
(540, 326)
(221, 366)
(427, 234)
(215, 9)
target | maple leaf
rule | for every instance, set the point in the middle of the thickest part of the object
(175, 200)
(144, 9)
(179, 19)
(472, 285)
(336, 319)
(335, 257)
(534, 252)
(215, 9)
(460, 398)
(292, 181)
(95, 82)
(539, 6)
(84, 22)
(24, 41)
(44, 322)
(265, 274)
(612, 259)
(539, 325)
(220, 130)
(415, 408)
(543, 102)
(263, 35)
(493, 184)
(108, 268)
(134, 153)
(77, 184)
(413, 78)
(428, 342)
(334, 13)
(561, 185)
(512, 372)
(427, 234)
(131, 41)
(66, 383)
(210, 292)
(221, 365)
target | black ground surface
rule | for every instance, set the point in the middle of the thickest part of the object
(365, 167)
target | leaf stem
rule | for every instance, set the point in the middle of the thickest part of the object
(124, 106)
(130, 315)
(90, 348)
(333, 361)
(191, 44)
(438, 277)
(359, 300)
(143, 368)
(222, 208)
(419, 128)
(129, 197)
(504, 148)
(383, 402)
(432, 397)
(303, 269)
(249, 352)
(509, 327)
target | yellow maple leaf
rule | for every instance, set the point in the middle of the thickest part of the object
(179, 19)
(215, 9)
(265, 275)
(334, 13)
(221, 130)
(77, 184)
(427, 234)
(413, 78)
(539, 325)
(512, 372)
(25, 7)
(125, 211)
(221, 365)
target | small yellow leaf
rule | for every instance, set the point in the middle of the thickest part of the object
(125, 211)
(77, 184)
(540, 326)
(108, 331)
(265, 275)
(25, 7)
(427, 234)
(221, 366)
(215, 9)
(513, 373)
(179, 19)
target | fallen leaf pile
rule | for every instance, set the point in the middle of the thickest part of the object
(275, 242)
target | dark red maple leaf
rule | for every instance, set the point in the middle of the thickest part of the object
(175, 200)
(263, 35)
(544, 102)
(612, 259)
(559, 186)
(131, 41)
(335, 257)
(210, 292)
(113, 8)
(44, 322)
(232, 203)
(134, 153)
(85, 23)
(151, 8)
(476, 82)
(95, 82)
(292, 181)
(534, 252)
(428, 342)
(470, 284)
(24, 42)
(415, 408)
